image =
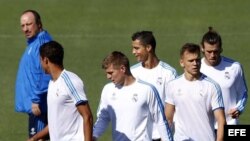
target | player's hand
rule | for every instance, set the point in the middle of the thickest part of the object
(234, 113)
(35, 109)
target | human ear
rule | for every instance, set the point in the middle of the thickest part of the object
(46, 60)
(123, 68)
(148, 47)
(181, 63)
(202, 48)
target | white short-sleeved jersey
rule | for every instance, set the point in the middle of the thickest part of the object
(229, 75)
(64, 121)
(194, 103)
(131, 110)
(158, 76)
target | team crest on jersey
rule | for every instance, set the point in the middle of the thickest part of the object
(179, 92)
(227, 75)
(113, 97)
(135, 97)
(159, 80)
(201, 93)
(57, 91)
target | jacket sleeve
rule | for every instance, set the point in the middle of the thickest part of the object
(103, 117)
(39, 80)
(241, 89)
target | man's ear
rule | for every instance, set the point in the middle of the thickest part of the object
(148, 47)
(123, 68)
(39, 26)
(46, 60)
(202, 48)
(181, 63)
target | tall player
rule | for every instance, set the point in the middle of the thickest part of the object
(227, 72)
(150, 68)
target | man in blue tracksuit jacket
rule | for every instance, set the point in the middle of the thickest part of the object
(31, 81)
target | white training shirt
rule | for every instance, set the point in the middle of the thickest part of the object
(64, 121)
(131, 110)
(194, 103)
(229, 75)
(158, 76)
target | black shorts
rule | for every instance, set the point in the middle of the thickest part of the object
(37, 123)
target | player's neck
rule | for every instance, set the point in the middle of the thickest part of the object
(152, 62)
(214, 64)
(56, 72)
(192, 77)
(129, 80)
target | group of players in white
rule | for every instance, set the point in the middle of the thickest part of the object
(144, 102)
(149, 101)
(211, 93)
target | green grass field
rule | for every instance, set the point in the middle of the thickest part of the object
(90, 29)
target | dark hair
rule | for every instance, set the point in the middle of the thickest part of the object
(53, 51)
(189, 47)
(145, 37)
(211, 37)
(116, 59)
(36, 15)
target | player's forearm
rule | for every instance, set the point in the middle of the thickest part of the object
(220, 130)
(220, 134)
(88, 128)
(100, 125)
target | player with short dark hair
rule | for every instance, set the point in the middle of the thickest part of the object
(150, 68)
(69, 114)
